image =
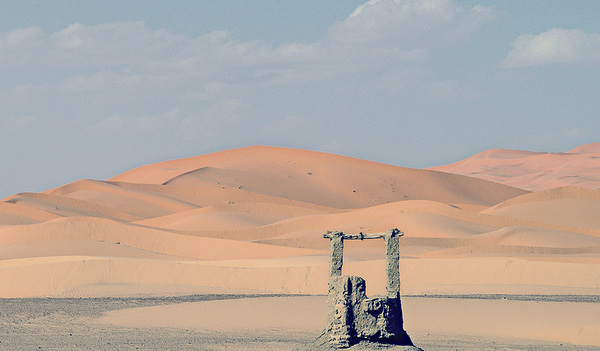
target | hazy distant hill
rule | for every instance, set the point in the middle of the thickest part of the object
(533, 170)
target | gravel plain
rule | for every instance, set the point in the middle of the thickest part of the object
(71, 324)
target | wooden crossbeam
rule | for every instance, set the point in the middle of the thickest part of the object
(361, 235)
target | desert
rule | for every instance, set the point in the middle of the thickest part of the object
(225, 251)
(400, 175)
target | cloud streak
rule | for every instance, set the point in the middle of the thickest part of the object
(554, 46)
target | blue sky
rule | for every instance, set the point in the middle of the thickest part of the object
(90, 89)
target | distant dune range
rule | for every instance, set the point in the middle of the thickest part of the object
(533, 170)
(252, 219)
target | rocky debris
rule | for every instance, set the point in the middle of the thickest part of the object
(322, 344)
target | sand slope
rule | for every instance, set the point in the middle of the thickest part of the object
(253, 219)
(533, 170)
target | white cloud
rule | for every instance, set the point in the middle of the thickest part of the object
(109, 75)
(409, 24)
(378, 33)
(21, 38)
(19, 47)
(554, 46)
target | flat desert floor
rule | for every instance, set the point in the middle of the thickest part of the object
(280, 322)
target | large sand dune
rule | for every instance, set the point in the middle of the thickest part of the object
(317, 178)
(252, 219)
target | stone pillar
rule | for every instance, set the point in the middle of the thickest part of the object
(345, 296)
(338, 300)
(336, 247)
(392, 259)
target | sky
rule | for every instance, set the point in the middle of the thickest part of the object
(90, 89)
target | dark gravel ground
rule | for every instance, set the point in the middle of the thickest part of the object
(70, 324)
(539, 298)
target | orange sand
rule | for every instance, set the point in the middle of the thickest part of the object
(252, 219)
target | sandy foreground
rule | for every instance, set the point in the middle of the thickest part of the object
(279, 322)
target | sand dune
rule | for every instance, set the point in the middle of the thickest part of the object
(136, 203)
(564, 206)
(12, 213)
(318, 178)
(253, 219)
(533, 170)
(67, 207)
(144, 238)
(231, 216)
